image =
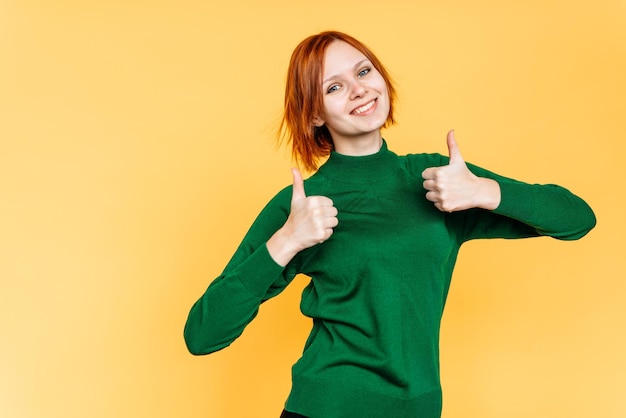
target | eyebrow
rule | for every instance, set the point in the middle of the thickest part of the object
(357, 65)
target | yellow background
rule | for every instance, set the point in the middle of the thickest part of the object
(136, 147)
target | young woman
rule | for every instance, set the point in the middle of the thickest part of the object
(377, 233)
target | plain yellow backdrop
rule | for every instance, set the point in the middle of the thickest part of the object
(137, 146)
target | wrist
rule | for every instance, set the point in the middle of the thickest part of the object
(489, 193)
(281, 248)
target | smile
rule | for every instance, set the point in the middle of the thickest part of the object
(364, 108)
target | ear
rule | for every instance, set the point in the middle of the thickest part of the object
(318, 122)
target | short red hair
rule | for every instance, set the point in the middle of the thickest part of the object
(304, 98)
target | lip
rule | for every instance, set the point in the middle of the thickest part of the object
(366, 112)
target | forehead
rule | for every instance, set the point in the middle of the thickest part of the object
(341, 56)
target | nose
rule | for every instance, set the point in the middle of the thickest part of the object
(357, 90)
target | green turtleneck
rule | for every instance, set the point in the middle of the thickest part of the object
(378, 285)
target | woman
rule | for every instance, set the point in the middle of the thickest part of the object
(377, 233)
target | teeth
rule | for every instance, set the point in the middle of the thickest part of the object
(364, 108)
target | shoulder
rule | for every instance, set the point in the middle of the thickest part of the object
(281, 201)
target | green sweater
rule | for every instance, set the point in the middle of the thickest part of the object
(378, 285)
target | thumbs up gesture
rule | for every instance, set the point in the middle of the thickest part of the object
(312, 218)
(454, 187)
(310, 222)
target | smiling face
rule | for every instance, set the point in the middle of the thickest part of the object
(356, 100)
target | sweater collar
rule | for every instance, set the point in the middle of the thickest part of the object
(362, 169)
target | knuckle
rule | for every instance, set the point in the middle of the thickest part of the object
(446, 206)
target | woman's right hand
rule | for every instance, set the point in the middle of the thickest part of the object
(310, 222)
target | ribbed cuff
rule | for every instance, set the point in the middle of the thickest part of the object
(259, 271)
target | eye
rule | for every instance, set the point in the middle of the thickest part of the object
(333, 88)
(364, 72)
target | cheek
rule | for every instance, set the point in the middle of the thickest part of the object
(332, 108)
(385, 97)
(387, 103)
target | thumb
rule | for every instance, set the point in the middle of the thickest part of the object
(453, 149)
(298, 185)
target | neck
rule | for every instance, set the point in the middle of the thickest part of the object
(363, 169)
(359, 146)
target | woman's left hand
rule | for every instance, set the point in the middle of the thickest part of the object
(454, 187)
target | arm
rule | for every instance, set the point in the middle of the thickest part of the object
(548, 209)
(514, 209)
(260, 268)
(232, 300)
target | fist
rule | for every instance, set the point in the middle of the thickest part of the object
(454, 187)
(312, 218)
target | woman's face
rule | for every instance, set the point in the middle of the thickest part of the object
(356, 100)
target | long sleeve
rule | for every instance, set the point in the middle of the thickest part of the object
(525, 210)
(232, 300)
(530, 210)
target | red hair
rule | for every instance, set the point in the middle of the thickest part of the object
(304, 98)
